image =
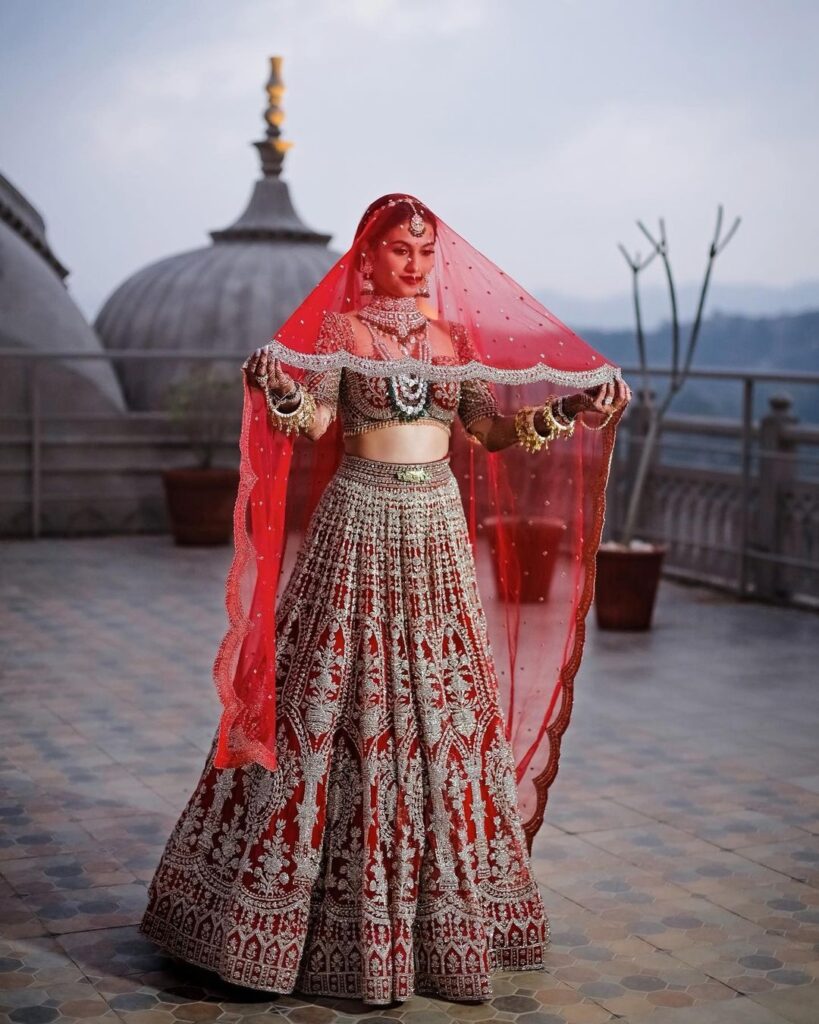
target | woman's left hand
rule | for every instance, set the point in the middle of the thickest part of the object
(607, 399)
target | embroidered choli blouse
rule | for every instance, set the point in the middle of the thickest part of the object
(364, 403)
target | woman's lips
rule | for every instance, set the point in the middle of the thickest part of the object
(409, 279)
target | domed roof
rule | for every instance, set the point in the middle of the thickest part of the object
(232, 295)
(37, 313)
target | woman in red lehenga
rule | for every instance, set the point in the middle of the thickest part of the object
(363, 823)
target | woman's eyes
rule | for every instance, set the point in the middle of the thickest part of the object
(403, 252)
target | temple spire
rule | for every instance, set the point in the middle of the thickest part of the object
(270, 213)
(273, 147)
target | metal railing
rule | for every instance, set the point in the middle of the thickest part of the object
(26, 437)
(735, 498)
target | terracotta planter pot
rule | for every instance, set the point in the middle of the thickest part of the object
(626, 587)
(200, 504)
(538, 539)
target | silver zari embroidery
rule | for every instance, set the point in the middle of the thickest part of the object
(474, 370)
(385, 855)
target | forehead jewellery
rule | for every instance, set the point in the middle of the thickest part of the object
(417, 224)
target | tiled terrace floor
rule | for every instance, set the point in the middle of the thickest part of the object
(679, 862)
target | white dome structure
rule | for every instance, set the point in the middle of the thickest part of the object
(55, 413)
(231, 295)
(37, 314)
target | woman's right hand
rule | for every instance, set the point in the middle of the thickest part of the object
(258, 364)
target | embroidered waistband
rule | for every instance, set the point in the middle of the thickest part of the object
(411, 474)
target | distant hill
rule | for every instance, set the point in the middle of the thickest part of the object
(613, 312)
(728, 341)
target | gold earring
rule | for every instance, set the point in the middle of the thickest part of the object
(367, 287)
(423, 292)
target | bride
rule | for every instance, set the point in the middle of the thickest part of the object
(357, 829)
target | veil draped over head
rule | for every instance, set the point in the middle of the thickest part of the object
(534, 519)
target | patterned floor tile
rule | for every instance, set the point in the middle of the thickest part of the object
(796, 1006)
(594, 816)
(798, 859)
(789, 909)
(85, 869)
(100, 906)
(634, 986)
(18, 919)
(38, 983)
(602, 890)
(33, 839)
(760, 964)
(678, 859)
(735, 829)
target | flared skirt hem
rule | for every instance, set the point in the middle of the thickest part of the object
(343, 985)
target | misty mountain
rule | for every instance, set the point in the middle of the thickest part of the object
(729, 341)
(617, 311)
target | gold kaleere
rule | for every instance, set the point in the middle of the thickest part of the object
(528, 435)
(292, 422)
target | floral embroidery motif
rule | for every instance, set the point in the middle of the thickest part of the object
(385, 855)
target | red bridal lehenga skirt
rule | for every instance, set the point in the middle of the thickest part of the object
(385, 855)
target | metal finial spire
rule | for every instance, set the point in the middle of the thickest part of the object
(270, 214)
(272, 148)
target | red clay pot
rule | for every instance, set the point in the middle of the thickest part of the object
(538, 539)
(200, 504)
(626, 586)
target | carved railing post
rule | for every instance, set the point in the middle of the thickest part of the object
(776, 473)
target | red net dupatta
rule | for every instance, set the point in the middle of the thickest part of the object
(534, 519)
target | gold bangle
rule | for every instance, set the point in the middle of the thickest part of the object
(297, 420)
(527, 435)
(556, 428)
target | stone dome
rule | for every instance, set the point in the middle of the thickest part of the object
(230, 296)
(37, 313)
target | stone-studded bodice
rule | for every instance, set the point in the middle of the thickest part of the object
(364, 402)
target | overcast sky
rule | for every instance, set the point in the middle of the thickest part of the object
(539, 130)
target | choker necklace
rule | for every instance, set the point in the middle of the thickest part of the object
(396, 315)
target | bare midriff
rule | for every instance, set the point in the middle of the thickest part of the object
(400, 442)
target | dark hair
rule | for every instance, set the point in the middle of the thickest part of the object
(389, 216)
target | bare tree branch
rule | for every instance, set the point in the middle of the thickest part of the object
(647, 233)
(679, 373)
(641, 341)
(727, 238)
(695, 327)
(636, 266)
(675, 322)
(626, 256)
